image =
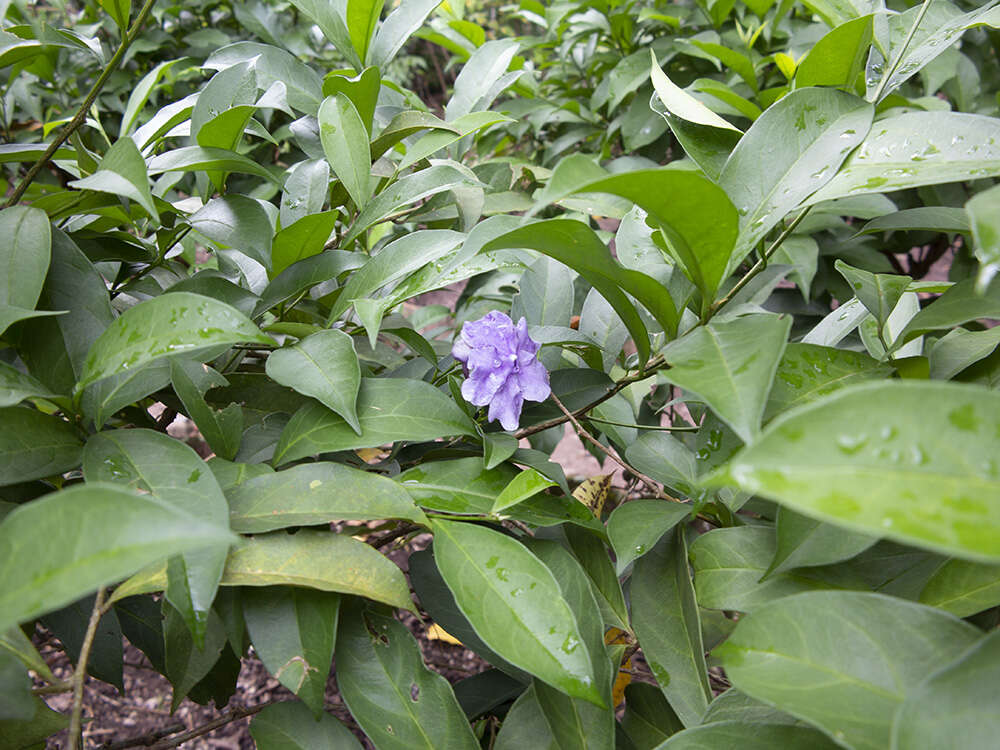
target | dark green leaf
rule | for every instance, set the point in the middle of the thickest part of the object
(665, 618)
(293, 631)
(909, 460)
(34, 445)
(838, 58)
(397, 701)
(525, 726)
(528, 622)
(635, 527)
(958, 305)
(238, 222)
(124, 532)
(648, 719)
(186, 662)
(345, 143)
(963, 588)
(749, 737)
(388, 410)
(221, 428)
(804, 542)
(316, 493)
(171, 324)
(791, 654)
(291, 726)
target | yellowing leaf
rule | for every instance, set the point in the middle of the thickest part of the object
(436, 633)
(593, 493)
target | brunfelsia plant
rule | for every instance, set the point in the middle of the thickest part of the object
(237, 221)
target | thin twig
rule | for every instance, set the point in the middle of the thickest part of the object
(619, 386)
(228, 717)
(406, 528)
(80, 673)
(64, 686)
(81, 115)
(759, 266)
(144, 740)
(649, 481)
(663, 428)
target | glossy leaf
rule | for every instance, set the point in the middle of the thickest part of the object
(293, 631)
(291, 726)
(221, 428)
(731, 365)
(458, 486)
(388, 410)
(125, 532)
(791, 654)
(316, 493)
(525, 726)
(362, 17)
(949, 706)
(931, 218)
(982, 211)
(731, 566)
(527, 621)
(918, 466)
(665, 618)
(149, 461)
(635, 527)
(398, 26)
(482, 78)
(186, 661)
(330, 19)
(666, 459)
(960, 304)
(324, 366)
(170, 324)
(302, 274)
(24, 259)
(203, 158)
(918, 148)
(345, 143)
(397, 701)
(803, 139)
(804, 542)
(878, 292)
(523, 486)
(749, 737)
(695, 215)
(839, 57)
(238, 222)
(963, 588)
(34, 445)
(648, 719)
(122, 171)
(576, 245)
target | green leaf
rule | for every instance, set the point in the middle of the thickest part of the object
(666, 622)
(525, 620)
(200, 159)
(457, 486)
(575, 722)
(731, 365)
(149, 461)
(805, 542)
(317, 560)
(139, 95)
(397, 701)
(238, 222)
(963, 588)
(324, 366)
(959, 348)
(526, 484)
(316, 493)
(960, 304)
(34, 445)
(409, 189)
(803, 138)
(24, 258)
(69, 625)
(791, 654)
(221, 428)
(389, 410)
(401, 126)
(576, 245)
(749, 737)
(695, 215)
(124, 531)
(44, 722)
(666, 459)
(839, 57)
(929, 218)
(949, 708)
(438, 139)
(734, 706)
(398, 26)
(291, 726)
(497, 447)
(330, 19)
(635, 527)
(306, 189)
(363, 89)
(878, 292)
(293, 631)
(166, 325)
(122, 171)
(119, 10)
(909, 460)
(102, 399)
(525, 726)
(362, 18)
(482, 78)
(592, 555)
(918, 148)
(188, 662)
(302, 274)
(983, 210)
(345, 143)
(730, 566)
(395, 261)
(648, 719)
(271, 65)
(809, 371)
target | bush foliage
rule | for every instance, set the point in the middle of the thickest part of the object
(724, 221)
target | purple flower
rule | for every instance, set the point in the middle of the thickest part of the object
(500, 366)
